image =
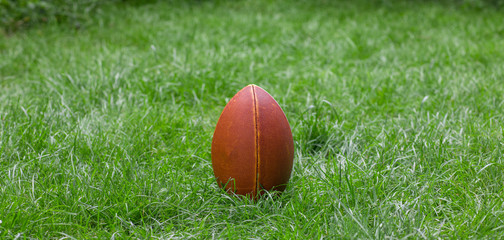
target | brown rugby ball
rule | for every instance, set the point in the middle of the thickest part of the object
(252, 146)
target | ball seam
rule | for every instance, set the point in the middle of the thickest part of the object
(256, 132)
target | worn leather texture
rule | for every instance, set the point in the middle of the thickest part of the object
(252, 146)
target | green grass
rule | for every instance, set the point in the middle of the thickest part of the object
(397, 112)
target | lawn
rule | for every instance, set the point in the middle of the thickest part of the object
(396, 108)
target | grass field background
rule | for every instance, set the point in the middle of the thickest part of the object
(396, 110)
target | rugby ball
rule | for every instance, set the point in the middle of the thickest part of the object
(252, 146)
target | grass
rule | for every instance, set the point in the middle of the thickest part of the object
(396, 111)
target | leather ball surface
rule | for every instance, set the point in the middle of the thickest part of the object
(252, 146)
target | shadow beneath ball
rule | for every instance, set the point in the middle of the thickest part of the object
(277, 194)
